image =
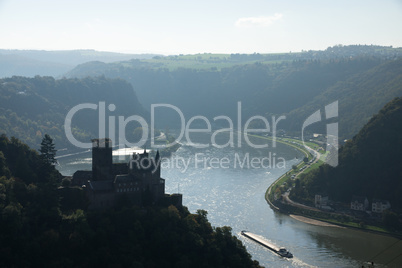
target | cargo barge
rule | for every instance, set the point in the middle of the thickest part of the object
(278, 250)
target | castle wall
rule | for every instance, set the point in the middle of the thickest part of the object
(131, 182)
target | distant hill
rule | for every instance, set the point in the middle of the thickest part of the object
(31, 107)
(11, 64)
(218, 62)
(359, 96)
(361, 78)
(54, 63)
(369, 165)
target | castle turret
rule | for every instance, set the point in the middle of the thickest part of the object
(102, 162)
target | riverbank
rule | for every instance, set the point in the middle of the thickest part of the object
(295, 171)
(307, 214)
(313, 221)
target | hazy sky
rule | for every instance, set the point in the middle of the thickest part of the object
(187, 26)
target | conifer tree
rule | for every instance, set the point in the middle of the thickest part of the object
(47, 150)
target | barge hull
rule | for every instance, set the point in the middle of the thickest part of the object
(261, 241)
(267, 244)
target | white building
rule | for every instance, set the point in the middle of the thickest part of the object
(360, 203)
(379, 205)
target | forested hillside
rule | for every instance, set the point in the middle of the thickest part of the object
(362, 81)
(359, 98)
(45, 225)
(31, 107)
(369, 165)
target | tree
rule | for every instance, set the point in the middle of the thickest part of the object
(297, 184)
(4, 171)
(305, 159)
(47, 150)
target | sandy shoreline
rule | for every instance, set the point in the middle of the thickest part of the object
(314, 222)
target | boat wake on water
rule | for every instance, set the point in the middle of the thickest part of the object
(72, 154)
(296, 262)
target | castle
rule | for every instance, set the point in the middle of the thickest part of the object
(138, 181)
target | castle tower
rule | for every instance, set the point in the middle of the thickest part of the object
(102, 162)
(158, 165)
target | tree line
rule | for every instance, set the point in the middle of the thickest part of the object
(43, 224)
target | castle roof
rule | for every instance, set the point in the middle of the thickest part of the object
(101, 186)
(143, 162)
(125, 178)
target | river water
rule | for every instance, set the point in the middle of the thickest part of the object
(230, 184)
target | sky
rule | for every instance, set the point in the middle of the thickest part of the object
(190, 27)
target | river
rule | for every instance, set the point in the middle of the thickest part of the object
(230, 184)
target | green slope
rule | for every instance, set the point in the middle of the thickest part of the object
(31, 107)
(359, 98)
(369, 165)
